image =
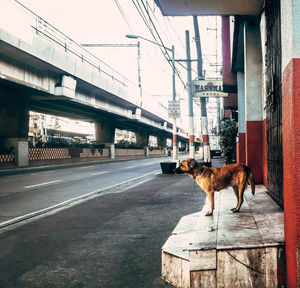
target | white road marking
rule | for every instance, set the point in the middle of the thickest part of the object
(146, 164)
(85, 167)
(72, 202)
(45, 172)
(130, 167)
(42, 184)
(99, 173)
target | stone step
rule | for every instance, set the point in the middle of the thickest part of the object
(244, 249)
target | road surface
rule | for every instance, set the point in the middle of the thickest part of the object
(113, 240)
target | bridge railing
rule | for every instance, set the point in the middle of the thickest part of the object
(43, 27)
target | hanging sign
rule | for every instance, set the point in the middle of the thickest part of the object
(208, 88)
(174, 109)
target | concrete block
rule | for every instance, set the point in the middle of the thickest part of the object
(203, 260)
(203, 279)
(175, 270)
(242, 268)
(239, 252)
(68, 82)
(271, 267)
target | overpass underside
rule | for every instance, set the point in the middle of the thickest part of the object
(63, 79)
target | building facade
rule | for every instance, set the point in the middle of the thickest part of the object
(261, 50)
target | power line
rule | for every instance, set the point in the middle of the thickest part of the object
(123, 15)
(166, 54)
(144, 18)
(167, 25)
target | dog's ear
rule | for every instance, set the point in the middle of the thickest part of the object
(192, 163)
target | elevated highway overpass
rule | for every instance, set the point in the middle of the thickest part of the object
(43, 70)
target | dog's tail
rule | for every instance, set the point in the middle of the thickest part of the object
(251, 180)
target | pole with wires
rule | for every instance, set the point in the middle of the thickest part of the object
(175, 143)
(139, 72)
(190, 94)
(205, 138)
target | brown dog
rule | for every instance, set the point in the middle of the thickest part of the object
(211, 179)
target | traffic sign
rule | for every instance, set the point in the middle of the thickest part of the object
(174, 109)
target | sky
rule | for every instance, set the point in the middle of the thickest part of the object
(108, 21)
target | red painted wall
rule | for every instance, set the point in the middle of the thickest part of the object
(231, 100)
(240, 149)
(265, 162)
(227, 114)
(228, 77)
(254, 149)
(291, 171)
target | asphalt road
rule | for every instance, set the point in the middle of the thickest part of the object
(112, 240)
(29, 192)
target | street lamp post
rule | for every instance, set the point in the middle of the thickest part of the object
(172, 50)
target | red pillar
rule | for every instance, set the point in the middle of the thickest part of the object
(291, 171)
(253, 98)
(254, 149)
(240, 151)
(265, 161)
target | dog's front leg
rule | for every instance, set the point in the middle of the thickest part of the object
(210, 195)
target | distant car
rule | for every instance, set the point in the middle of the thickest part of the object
(215, 153)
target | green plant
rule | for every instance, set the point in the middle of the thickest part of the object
(228, 133)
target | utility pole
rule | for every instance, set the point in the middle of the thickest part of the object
(205, 139)
(175, 143)
(218, 99)
(172, 50)
(190, 94)
(216, 71)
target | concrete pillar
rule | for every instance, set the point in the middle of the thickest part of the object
(253, 97)
(142, 138)
(112, 151)
(147, 151)
(14, 124)
(161, 141)
(264, 36)
(105, 132)
(290, 41)
(241, 149)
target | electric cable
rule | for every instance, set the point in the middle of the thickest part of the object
(123, 14)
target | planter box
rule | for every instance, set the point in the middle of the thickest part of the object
(168, 167)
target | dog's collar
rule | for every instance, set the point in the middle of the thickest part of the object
(199, 172)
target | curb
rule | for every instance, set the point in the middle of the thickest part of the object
(17, 170)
